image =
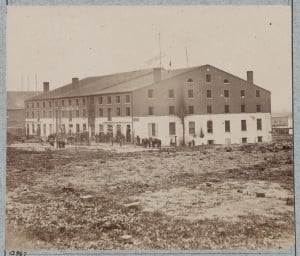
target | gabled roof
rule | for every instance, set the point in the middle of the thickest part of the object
(117, 83)
(16, 99)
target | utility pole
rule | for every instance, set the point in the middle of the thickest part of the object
(186, 55)
(159, 49)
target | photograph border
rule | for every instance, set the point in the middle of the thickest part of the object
(295, 6)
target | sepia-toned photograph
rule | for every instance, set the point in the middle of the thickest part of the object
(149, 128)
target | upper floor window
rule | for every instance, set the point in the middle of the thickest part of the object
(258, 124)
(226, 81)
(32, 114)
(83, 101)
(128, 112)
(243, 108)
(243, 94)
(171, 94)
(258, 108)
(62, 102)
(37, 104)
(27, 105)
(243, 125)
(150, 110)
(77, 102)
(257, 93)
(118, 99)
(70, 102)
(208, 78)
(209, 126)
(44, 104)
(172, 128)
(109, 114)
(92, 99)
(190, 80)
(208, 94)
(50, 104)
(32, 104)
(226, 109)
(227, 126)
(190, 93)
(100, 112)
(84, 113)
(127, 98)
(191, 110)
(118, 111)
(108, 99)
(226, 94)
(150, 93)
(100, 100)
(209, 109)
(56, 103)
(171, 110)
(191, 128)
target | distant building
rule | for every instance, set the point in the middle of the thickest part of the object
(282, 124)
(15, 110)
(203, 103)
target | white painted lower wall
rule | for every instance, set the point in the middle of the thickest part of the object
(140, 126)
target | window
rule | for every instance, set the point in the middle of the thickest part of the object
(150, 111)
(56, 103)
(191, 128)
(44, 114)
(127, 98)
(50, 128)
(191, 110)
(92, 100)
(190, 80)
(258, 108)
(118, 99)
(171, 94)
(100, 112)
(77, 128)
(108, 99)
(32, 104)
(63, 128)
(101, 128)
(243, 125)
(77, 102)
(32, 114)
(209, 109)
(27, 114)
(190, 94)
(257, 93)
(259, 124)
(226, 109)
(243, 94)
(70, 102)
(50, 114)
(37, 104)
(70, 115)
(62, 102)
(44, 129)
(243, 108)
(210, 142)
(208, 94)
(244, 140)
(77, 113)
(227, 126)
(150, 94)
(209, 127)
(171, 110)
(127, 111)
(226, 81)
(33, 129)
(152, 129)
(109, 114)
(100, 100)
(118, 111)
(226, 94)
(50, 104)
(38, 115)
(259, 139)
(83, 113)
(208, 78)
(172, 128)
(44, 104)
(83, 101)
(84, 127)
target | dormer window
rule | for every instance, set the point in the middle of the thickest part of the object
(190, 80)
(226, 81)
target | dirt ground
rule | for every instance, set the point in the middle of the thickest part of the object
(103, 197)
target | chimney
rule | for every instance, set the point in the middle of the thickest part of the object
(156, 74)
(46, 86)
(75, 81)
(250, 77)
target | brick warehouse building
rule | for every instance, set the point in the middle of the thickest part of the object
(204, 104)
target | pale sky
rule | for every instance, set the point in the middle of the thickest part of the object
(56, 43)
